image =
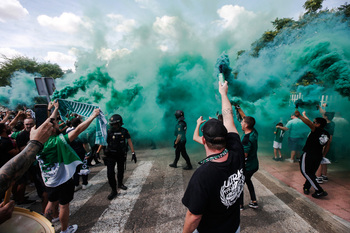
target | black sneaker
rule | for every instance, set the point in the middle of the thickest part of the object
(122, 187)
(276, 159)
(241, 208)
(324, 178)
(173, 165)
(253, 205)
(319, 194)
(306, 191)
(188, 167)
(112, 195)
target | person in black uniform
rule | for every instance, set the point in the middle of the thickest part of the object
(115, 152)
(180, 141)
(312, 153)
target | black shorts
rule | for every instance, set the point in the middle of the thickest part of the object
(63, 193)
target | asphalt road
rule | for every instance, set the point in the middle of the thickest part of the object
(152, 202)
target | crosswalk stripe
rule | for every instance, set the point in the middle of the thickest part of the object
(82, 196)
(114, 218)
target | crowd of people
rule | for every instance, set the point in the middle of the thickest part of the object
(55, 156)
(64, 155)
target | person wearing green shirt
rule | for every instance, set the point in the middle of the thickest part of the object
(277, 142)
(250, 146)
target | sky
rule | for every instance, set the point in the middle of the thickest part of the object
(57, 31)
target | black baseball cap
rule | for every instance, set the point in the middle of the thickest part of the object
(214, 131)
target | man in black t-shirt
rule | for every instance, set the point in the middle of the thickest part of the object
(212, 193)
(312, 153)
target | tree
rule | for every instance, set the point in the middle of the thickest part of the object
(345, 8)
(50, 70)
(281, 23)
(312, 6)
(22, 63)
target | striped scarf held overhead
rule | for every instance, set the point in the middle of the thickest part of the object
(68, 107)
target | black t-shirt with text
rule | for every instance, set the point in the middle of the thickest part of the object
(214, 189)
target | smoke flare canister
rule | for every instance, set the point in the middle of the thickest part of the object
(221, 78)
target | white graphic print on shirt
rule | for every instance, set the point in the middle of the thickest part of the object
(232, 188)
(323, 139)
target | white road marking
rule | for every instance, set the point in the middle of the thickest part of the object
(114, 218)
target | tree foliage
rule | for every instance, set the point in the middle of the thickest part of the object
(21, 63)
(279, 24)
(312, 6)
(345, 8)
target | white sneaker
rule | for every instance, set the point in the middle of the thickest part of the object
(325, 161)
(54, 220)
(319, 180)
(289, 160)
(87, 186)
(77, 188)
(71, 229)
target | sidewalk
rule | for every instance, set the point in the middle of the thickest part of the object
(338, 187)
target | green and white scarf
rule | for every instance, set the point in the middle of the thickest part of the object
(68, 107)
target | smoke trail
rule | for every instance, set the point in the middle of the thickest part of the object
(21, 92)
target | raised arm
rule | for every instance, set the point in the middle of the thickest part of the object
(18, 165)
(240, 111)
(83, 126)
(322, 111)
(8, 112)
(15, 120)
(55, 112)
(305, 120)
(227, 112)
(196, 136)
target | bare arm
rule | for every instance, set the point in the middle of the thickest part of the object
(99, 149)
(83, 126)
(282, 127)
(328, 145)
(178, 138)
(6, 117)
(196, 136)
(227, 112)
(322, 111)
(15, 120)
(191, 222)
(240, 111)
(305, 120)
(18, 165)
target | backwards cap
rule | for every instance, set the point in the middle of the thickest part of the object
(214, 131)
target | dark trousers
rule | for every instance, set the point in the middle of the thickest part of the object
(309, 164)
(110, 163)
(77, 176)
(93, 155)
(181, 148)
(248, 180)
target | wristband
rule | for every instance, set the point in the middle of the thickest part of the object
(41, 146)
